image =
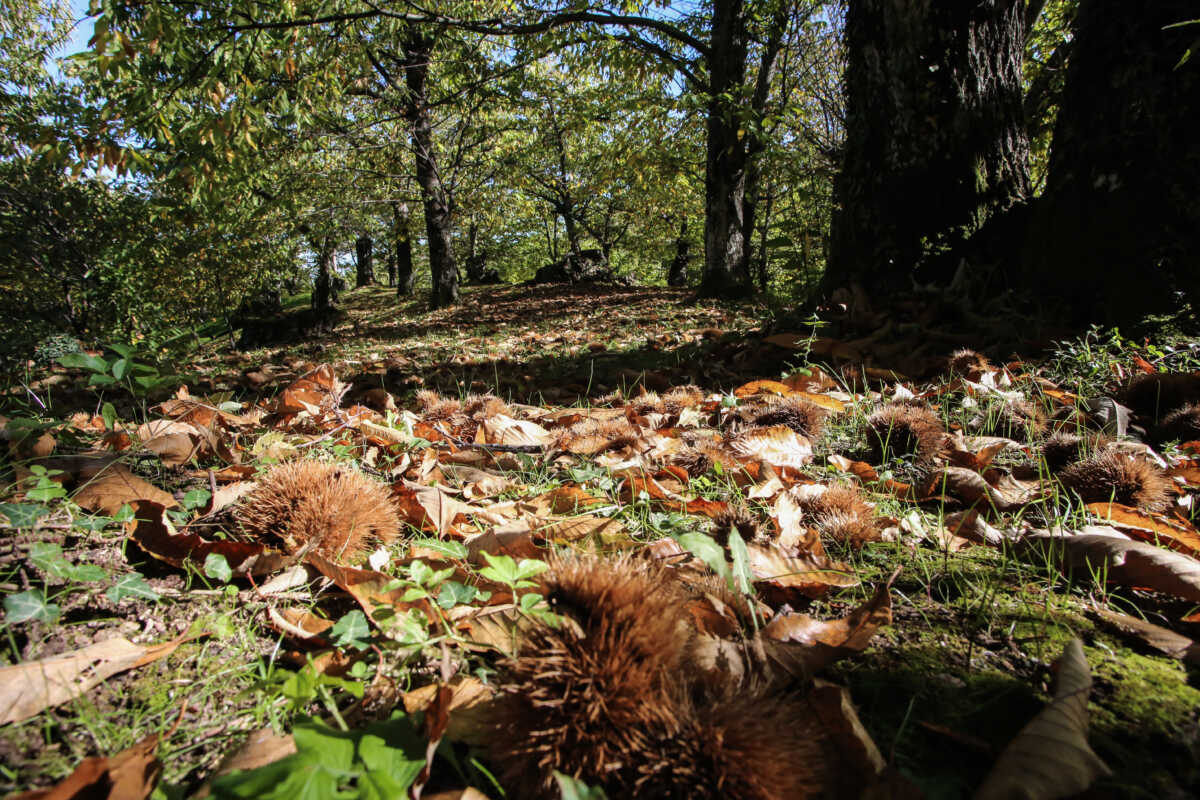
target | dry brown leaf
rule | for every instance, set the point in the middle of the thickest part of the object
(263, 747)
(440, 508)
(803, 645)
(1124, 562)
(466, 701)
(114, 487)
(1173, 644)
(1050, 757)
(505, 430)
(1148, 527)
(971, 487)
(856, 754)
(779, 446)
(151, 530)
(131, 774)
(811, 575)
(27, 689)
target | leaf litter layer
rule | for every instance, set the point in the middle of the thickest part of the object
(608, 541)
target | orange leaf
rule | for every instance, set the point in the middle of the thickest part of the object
(1147, 527)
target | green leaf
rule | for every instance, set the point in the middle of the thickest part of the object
(123, 350)
(705, 548)
(100, 379)
(573, 789)
(352, 630)
(48, 557)
(30, 605)
(131, 584)
(23, 515)
(216, 567)
(529, 601)
(454, 594)
(86, 573)
(83, 361)
(120, 368)
(743, 578)
(196, 498)
(449, 549)
(109, 414)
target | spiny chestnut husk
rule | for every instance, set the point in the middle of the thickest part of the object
(803, 416)
(1063, 448)
(968, 364)
(1017, 419)
(904, 428)
(1182, 424)
(1112, 476)
(1154, 396)
(331, 509)
(608, 697)
(735, 518)
(840, 513)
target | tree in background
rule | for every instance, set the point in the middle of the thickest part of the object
(936, 144)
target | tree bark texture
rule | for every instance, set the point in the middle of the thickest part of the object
(936, 144)
(323, 286)
(677, 276)
(726, 272)
(364, 261)
(438, 225)
(402, 249)
(1117, 230)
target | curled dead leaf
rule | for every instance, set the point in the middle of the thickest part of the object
(1050, 757)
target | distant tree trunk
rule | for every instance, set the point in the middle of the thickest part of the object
(323, 286)
(1118, 227)
(756, 140)
(391, 268)
(364, 260)
(402, 248)
(726, 272)
(764, 229)
(935, 136)
(677, 276)
(418, 50)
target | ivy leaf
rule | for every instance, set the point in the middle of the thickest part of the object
(352, 630)
(454, 594)
(26, 515)
(573, 789)
(217, 568)
(30, 605)
(132, 584)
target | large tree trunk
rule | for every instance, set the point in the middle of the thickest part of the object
(935, 136)
(402, 248)
(1118, 228)
(726, 272)
(677, 276)
(438, 227)
(364, 261)
(323, 286)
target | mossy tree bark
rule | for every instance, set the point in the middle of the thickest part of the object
(935, 136)
(402, 249)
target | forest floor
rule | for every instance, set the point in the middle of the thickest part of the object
(932, 537)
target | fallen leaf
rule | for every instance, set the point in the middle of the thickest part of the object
(505, 430)
(467, 699)
(1050, 757)
(804, 645)
(1149, 527)
(1122, 561)
(29, 688)
(117, 485)
(151, 530)
(371, 589)
(439, 508)
(131, 774)
(858, 758)
(811, 575)
(779, 446)
(1166, 641)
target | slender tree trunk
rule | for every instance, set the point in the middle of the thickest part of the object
(402, 247)
(364, 261)
(935, 135)
(726, 272)
(438, 224)
(391, 268)
(677, 276)
(755, 138)
(764, 229)
(323, 286)
(567, 212)
(1117, 230)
